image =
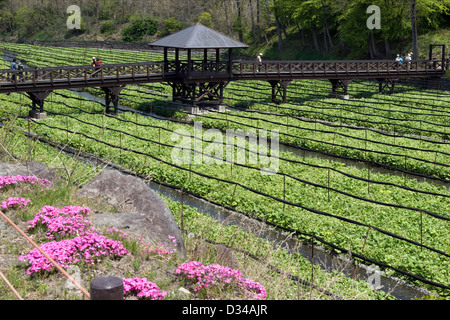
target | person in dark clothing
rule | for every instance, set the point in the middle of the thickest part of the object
(98, 64)
(14, 68)
(93, 64)
(21, 67)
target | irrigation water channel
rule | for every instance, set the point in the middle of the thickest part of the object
(316, 255)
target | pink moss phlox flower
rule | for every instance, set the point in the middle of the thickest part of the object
(162, 249)
(143, 288)
(89, 249)
(14, 180)
(116, 233)
(62, 222)
(215, 274)
(16, 203)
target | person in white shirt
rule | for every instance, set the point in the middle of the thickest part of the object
(259, 59)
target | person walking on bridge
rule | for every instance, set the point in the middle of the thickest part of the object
(408, 60)
(259, 59)
(98, 65)
(14, 68)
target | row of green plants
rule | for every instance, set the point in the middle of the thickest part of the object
(180, 179)
(398, 152)
(399, 221)
(40, 285)
(46, 56)
(80, 173)
(392, 115)
(391, 148)
(422, 117)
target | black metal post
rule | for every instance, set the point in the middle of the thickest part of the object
(107, 288)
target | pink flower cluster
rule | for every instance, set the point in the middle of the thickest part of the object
(116, 233)
(219, 275)
(13, 180)
(89, 249)
(15, 203)
(161, 249)
(143, 288)
(62, 222)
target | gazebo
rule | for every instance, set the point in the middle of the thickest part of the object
(203, 79)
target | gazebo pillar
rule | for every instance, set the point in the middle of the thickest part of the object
(230, 61)
(166, 59)
(177, 60)
(189, 54)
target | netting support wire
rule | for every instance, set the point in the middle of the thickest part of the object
(312, 262)
(10, 286)
(182, 213)
(421, 231)
(46, 255)
(232, 197)
(362, 251)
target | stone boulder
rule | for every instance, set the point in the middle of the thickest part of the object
(33, 168)
(144, 212)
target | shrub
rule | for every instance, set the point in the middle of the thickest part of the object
(107, 27)
(447, 75)
(172, 25)
(138, 29)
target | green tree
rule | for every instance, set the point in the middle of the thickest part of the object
(206, 19)
(30, 20)
(139, 28)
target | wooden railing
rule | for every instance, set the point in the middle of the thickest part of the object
(208, 70)
(86, 73)
(369, 68)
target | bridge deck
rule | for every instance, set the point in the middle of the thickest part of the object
(54, 78)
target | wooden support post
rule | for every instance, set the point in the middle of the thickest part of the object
(279, 89)
(386, 84)
(339, 88)
(38, 99)
(112, 94)
(205, 60)
(189, 63)
(230, 62)
(166, 60)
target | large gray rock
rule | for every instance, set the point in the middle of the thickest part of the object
(146, 213)
(32, 168)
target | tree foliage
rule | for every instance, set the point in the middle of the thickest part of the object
(318, 25)
(139, 28)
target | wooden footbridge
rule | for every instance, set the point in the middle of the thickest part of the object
(199, 81)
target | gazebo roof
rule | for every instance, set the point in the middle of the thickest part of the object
(198, 37)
